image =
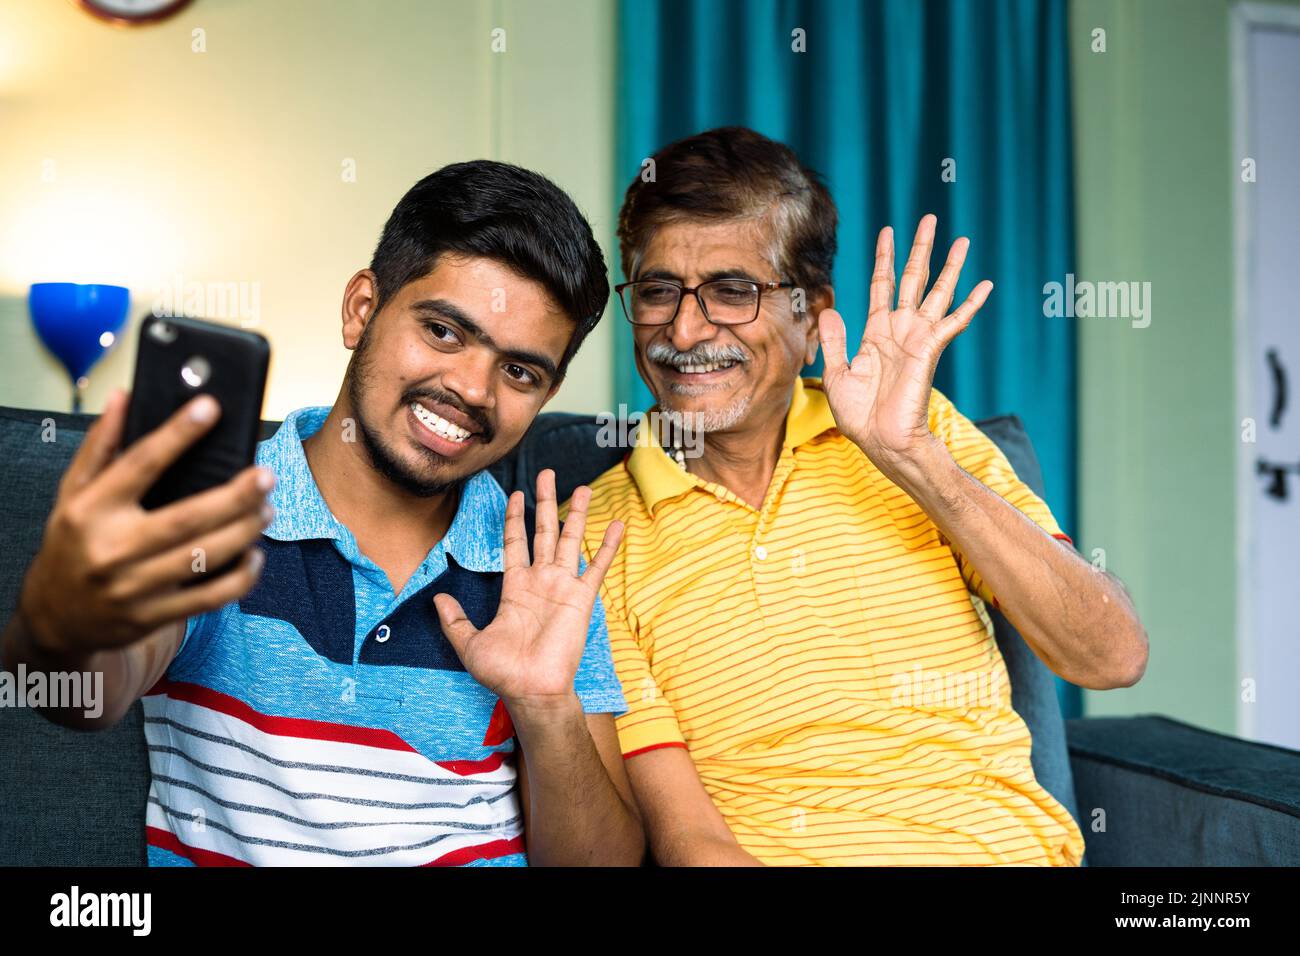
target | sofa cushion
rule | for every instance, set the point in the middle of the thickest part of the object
(1222, 801)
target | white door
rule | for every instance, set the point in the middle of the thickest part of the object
(1266, 66)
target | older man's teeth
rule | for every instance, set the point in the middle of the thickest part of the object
(707, 367)
(438, 425)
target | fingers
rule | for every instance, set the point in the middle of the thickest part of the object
(917, 271)
(604, 557)
(882, 277)
(566, 554)
(181, 563)
(548, 522)
(945, 287)
(207, 596)
(831, 331)
(516, 534)
(136, 469)
(948, 329)
(455, 625)
(99, 445)
(241, 497)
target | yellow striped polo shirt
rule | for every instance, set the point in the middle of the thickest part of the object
(826, 660)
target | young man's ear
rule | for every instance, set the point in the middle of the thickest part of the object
(819, 301)
(358, 304)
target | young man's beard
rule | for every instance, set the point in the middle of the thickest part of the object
(382, 458)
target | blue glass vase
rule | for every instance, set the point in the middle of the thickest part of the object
(78, 323)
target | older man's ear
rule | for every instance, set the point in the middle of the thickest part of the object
(818, 302)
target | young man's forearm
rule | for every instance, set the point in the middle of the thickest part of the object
(19, 645)
(576, 815)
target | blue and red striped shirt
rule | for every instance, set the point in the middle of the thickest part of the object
(325, 720)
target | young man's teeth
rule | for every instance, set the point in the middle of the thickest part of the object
(438, 425)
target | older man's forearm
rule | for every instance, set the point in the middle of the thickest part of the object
(1079, 620)
(576, 815)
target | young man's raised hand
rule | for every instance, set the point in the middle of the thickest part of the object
(529, 653)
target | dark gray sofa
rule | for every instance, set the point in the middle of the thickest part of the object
(1147, 791)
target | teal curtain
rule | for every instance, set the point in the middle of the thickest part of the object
(885, 96)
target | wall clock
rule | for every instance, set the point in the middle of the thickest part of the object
(132, 12)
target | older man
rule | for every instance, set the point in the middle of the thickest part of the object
(798, 612)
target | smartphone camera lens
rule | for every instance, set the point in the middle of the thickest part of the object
(163, 332)
(196, 371)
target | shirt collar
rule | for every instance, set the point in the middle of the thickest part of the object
(474, 538)
(659, 478)
(300, 511)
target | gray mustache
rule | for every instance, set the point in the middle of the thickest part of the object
(665, 354)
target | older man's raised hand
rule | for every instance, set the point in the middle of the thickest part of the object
(881, 397)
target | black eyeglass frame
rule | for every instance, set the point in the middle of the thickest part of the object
(760, 288)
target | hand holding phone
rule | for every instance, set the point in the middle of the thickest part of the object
(166, 529)
(109, 571)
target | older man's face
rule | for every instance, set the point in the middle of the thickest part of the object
(732, 377)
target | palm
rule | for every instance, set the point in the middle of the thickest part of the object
(880, 399)
(534, 644)
(532, 647)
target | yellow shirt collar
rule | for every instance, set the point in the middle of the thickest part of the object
(658, 477)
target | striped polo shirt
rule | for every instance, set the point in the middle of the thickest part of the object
(826, 659)
(325, 720)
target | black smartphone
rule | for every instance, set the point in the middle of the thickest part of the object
(179, 358)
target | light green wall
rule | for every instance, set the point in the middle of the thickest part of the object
(556, 113)
(1155, 172)
(226, 165)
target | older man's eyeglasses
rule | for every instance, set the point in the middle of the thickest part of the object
(722, 301)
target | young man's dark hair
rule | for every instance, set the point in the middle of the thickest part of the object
(502, 212)
(734, 173)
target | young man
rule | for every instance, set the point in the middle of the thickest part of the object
(780, 597)
(395, 686)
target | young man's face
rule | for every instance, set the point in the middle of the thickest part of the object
(450, 373)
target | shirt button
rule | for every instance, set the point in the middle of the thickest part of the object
(381, 635)
(760, 552)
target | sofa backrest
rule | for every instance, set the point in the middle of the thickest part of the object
(72, 798)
